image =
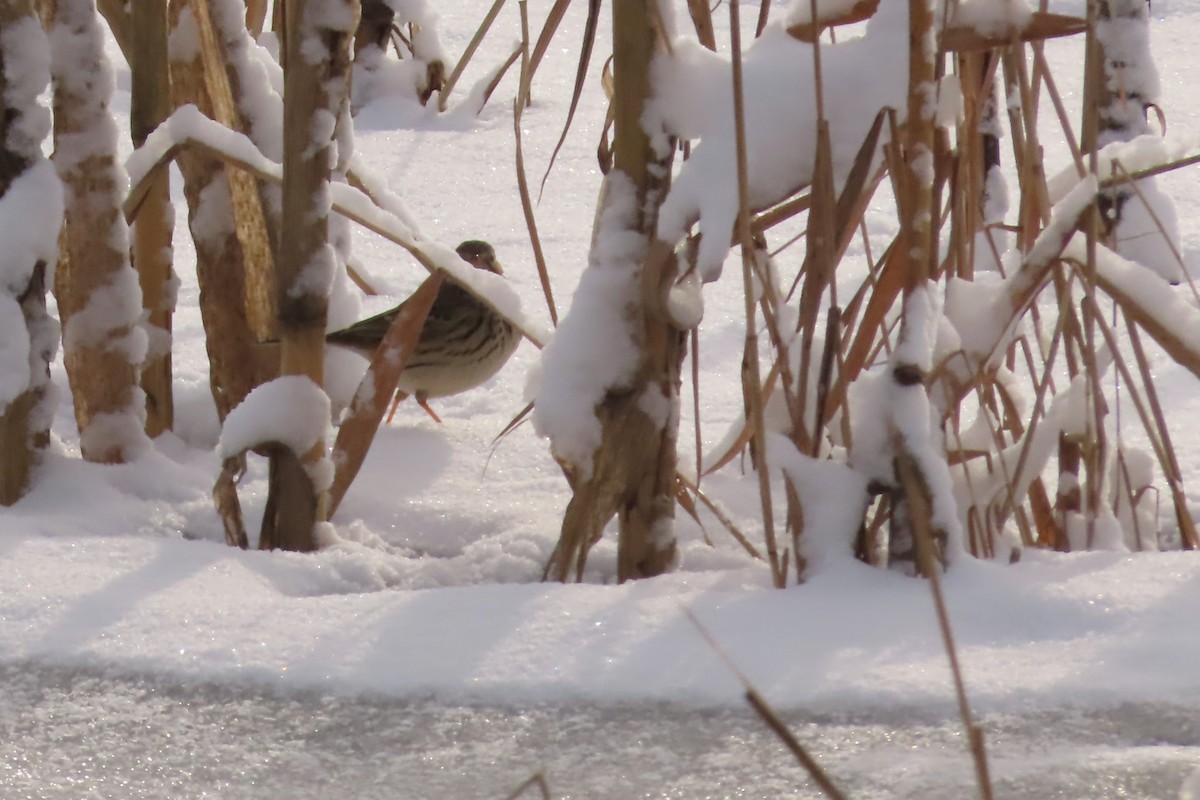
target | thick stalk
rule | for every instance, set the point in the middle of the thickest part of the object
(151, 103)
(315, 89)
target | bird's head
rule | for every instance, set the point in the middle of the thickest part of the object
(480, 255)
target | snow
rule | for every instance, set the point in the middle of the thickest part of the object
(993, 17)
(694, 98)
(14, 352)
(429, 589)
(35, 191)
(1089, 628)
(26, 74)
(832, 496)
(110, 306)
(291, 410)
(594, 350)
(800, 11)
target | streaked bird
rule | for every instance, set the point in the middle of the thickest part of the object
(462, 344)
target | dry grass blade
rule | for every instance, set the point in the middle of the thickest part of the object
(377, 386)
(522, 182)
(689, 507)
(457, 72)
(537, 780)
(764, 12)
(702, 21)
(724, 519)
(880, 301)
(229, 509)
(360, 281)
(1170, 465)
(585, 56)
(513, 424)
(856, 195)
(1166, 460)
(1145, 302)
(819, 261)
(780, 729)
(833, 323)
(490, 89)
(768, 715)
(917, 497)
(553, 19)
(751, 381)
(746, 432)
(1039, 411)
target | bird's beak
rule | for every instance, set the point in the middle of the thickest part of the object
(496, 268)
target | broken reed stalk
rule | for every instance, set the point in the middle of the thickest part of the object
(751, 377)
(780, 729)
(522, 182)
(768, 715)
(921, 520)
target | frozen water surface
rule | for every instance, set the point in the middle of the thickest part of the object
(73, 733)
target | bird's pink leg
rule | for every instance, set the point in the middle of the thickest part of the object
(400, 398)
(422, 402)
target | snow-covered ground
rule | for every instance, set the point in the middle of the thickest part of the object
(120, 574)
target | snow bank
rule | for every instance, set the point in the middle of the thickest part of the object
(693, 98)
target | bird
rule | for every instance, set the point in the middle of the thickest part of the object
(462, 343)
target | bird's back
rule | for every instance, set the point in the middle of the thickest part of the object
(463, 343)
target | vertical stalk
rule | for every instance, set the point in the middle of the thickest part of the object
(152, 231)
(751, 373)
(1094, 453)
(25, 415)
(95, 284)
(316, 84)
(914, 177)
(634, 468)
